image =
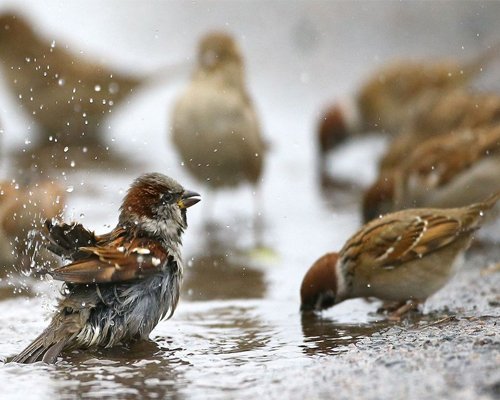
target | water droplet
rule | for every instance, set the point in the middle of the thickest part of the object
(61, 82)
(69, 189)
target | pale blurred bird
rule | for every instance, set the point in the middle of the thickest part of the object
(215, 127)
(23, 208)
(403, 257)
(388, 99)
(68, 95)
(450, 170)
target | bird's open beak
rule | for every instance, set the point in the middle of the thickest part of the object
(188, 199)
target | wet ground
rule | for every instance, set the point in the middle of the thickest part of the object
(237, 332)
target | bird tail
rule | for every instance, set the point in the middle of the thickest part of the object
(41, 349)
(477, 211)
(489, 203)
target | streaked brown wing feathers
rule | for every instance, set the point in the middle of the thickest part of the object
(388, 242)
(112, 263)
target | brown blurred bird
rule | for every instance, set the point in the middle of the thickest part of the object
(119, 285)
(23, 210)
(386, 101)
(455, 110)
(214, 124)
(67, 95)
(452, 170)
(405, 256)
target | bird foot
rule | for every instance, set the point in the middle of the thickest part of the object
(396, 310)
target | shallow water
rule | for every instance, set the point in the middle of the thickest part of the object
(237, 332)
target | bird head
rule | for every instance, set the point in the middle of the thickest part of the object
(157, 204)
(319, 289)
(217, 49)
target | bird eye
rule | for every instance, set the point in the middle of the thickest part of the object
(167, 197)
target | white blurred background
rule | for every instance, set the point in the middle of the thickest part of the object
(300, 54)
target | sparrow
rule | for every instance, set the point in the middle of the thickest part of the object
(119, 285)
(23, 208)
(388, 99)
(450, 170)
(404, 256)
(214, 125)
(455, 110)
(68, 95)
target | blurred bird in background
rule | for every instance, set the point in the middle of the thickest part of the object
(454, 110)
(67, 95)
(23, 208)
(450, 170)
(215, 127)
(390, 99)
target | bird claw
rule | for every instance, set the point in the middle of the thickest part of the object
(397, 310)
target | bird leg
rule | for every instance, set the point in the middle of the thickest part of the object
(258, 221)
(396, 310)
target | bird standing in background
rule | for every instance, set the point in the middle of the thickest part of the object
(215, 127)
(119, 285)
(455, 110)
(450, 170)
(389, 100)
(405, 256)
(67, 95)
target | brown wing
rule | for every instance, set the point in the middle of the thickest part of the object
(439, 160)
(402, 237)
(116, 261)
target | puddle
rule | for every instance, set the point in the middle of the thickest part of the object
(237, 331)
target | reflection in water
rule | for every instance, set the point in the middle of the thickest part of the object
(145, 370)
(323, 336)
(235, 330)
(222, 277)
(221, 270)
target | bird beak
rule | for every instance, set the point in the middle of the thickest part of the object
(188, 199)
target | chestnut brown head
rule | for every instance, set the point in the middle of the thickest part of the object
(154, 199)
(332, 130)
(319, 286)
